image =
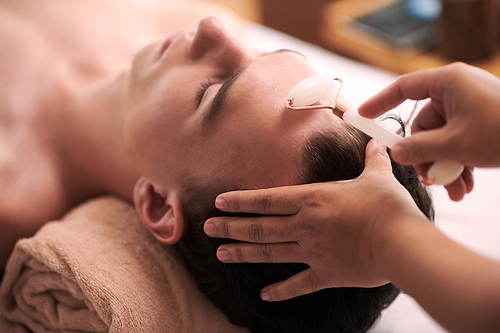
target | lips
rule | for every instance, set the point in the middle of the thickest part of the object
(169, 41)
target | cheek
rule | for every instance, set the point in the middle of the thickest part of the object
(156, 128)
(144, 62)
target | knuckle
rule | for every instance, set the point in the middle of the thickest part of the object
(315, 206)
(264, 203)
(240, 256)
(293, 289)
(311, 202)
(226, 229)
(314, 201)
(305, 231)
(266, 253)
(255, 231)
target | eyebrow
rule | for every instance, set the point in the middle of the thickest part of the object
(219, 100)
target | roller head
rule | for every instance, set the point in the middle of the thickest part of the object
(311, 90)
(444, 172)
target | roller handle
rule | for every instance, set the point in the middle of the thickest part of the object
(441, 172)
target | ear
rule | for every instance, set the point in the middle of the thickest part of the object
(162, 215)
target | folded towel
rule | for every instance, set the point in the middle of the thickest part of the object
(100, 270)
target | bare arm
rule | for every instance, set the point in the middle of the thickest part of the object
(457, 287)
(323, 226)
(350, 239)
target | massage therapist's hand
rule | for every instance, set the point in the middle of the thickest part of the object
(461, 121)
(333, 227)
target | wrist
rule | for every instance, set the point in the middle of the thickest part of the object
(395, 231)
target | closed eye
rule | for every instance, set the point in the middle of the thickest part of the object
(204, 87)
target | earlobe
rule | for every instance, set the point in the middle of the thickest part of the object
(162, 215)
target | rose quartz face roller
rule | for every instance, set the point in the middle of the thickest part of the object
(310, 91)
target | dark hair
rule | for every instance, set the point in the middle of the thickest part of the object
(235, 288)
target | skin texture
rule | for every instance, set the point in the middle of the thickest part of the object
(458, 123)
(305, 234)
(323, 226)
(111, 108)
(63, 84)
(115, 113)
(167, 132)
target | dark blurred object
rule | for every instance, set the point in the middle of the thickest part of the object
(343, 38)
(299, 18)
(395, 25)
(468, 29)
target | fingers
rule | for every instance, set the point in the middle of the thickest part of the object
(257, 230)
(423, 147)
(463, 185)
(303, 283)
(385, 100)
(260, 253)
(416, 85)
(431, 116)
(468, 178)
(457, 189)
(307, 282)
(273, 201)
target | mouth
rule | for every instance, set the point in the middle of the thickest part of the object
(169, 41)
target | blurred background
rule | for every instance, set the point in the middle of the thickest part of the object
(396, 35)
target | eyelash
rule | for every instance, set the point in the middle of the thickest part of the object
(204, 87)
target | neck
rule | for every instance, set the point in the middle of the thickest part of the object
(93, 155)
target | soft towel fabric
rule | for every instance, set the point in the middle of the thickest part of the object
(100, 270)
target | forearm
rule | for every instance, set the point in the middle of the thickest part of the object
(457, 287)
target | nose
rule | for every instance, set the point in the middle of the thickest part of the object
(213, 42)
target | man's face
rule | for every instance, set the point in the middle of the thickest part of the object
(176, 129)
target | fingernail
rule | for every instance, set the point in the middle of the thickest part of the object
(210, 229)
(399, 153)
(265, 296)
(220, 203)
(223, 255)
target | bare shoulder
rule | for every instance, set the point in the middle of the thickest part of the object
(121, 16)
(38, 38)
(106, 34)
(32, 192)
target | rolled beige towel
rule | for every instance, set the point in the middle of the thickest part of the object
(100, 270)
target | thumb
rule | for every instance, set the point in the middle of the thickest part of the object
(302, 283)
(424, 147)
(376, 158)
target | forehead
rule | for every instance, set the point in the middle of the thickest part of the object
(276, 73)
(263, 88)
(267, 80)
(256, 113)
